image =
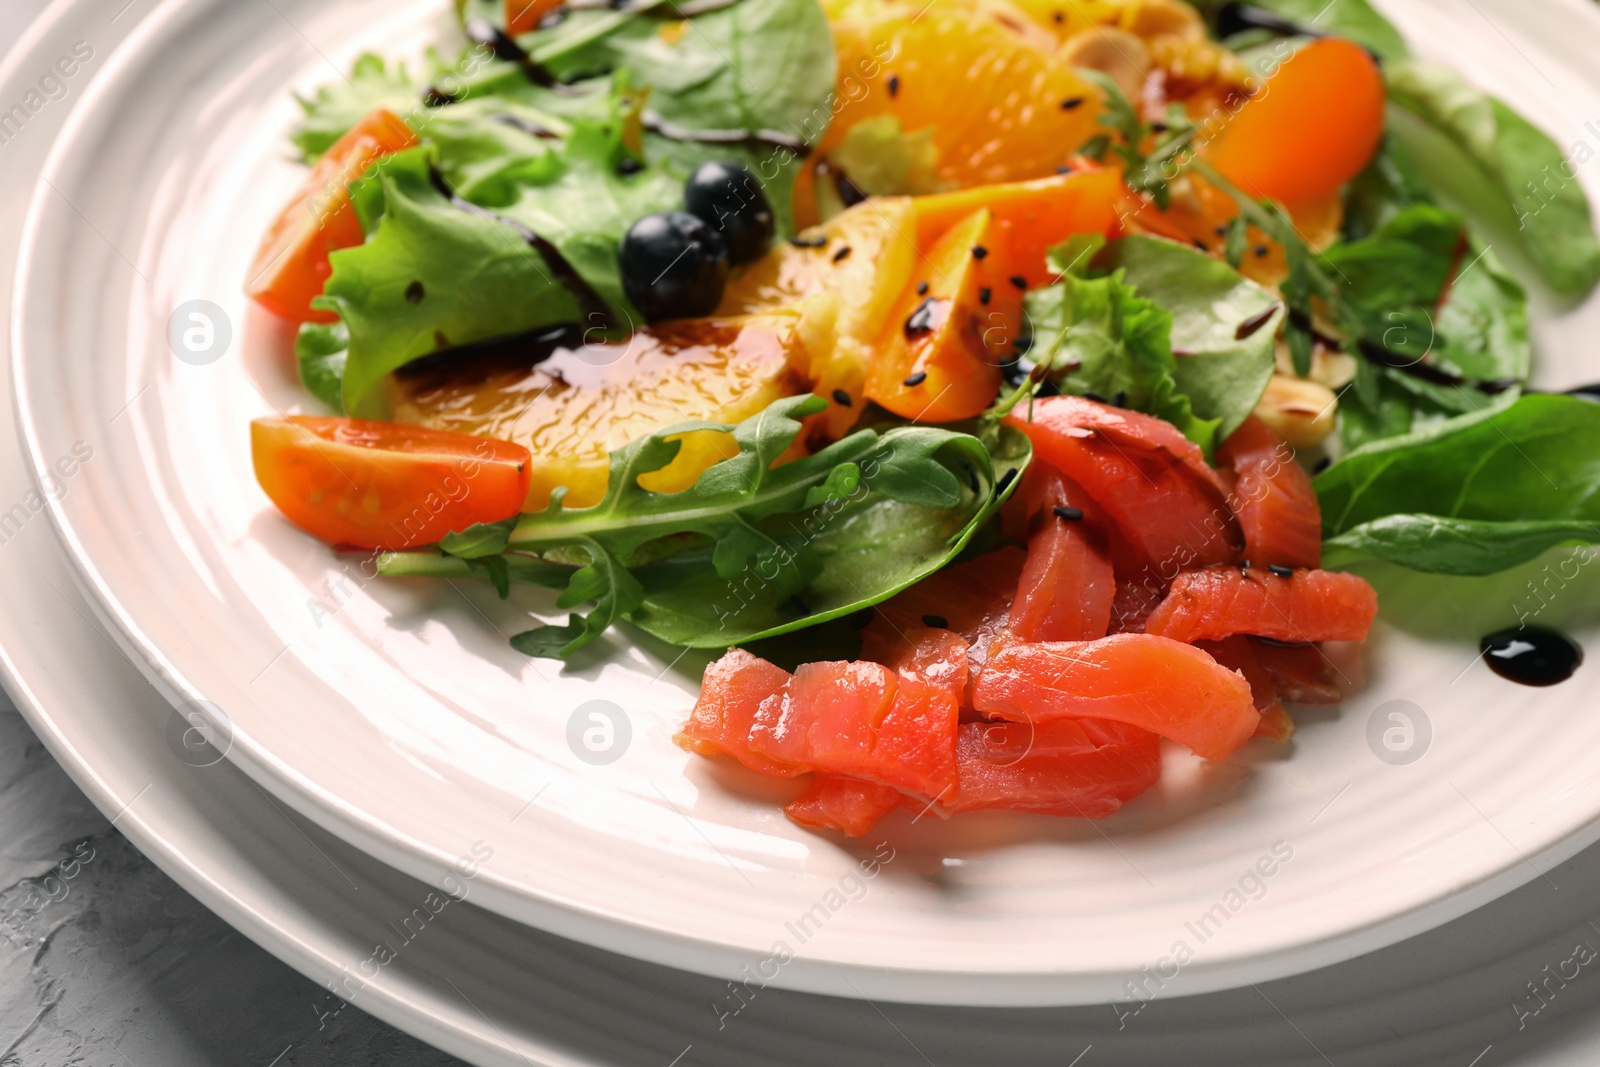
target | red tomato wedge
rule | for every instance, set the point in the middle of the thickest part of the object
(838, 802)
(862, 720)
(936, 656)
(291, 265)
(733, 690)
(1273, 498)
(1066, 588)
(1238, 653)
(1163, 686)
(1312, 127)
(1152, 482)
(1308, 606)
(382, 485)
(1068, 767)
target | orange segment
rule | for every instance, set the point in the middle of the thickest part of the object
(574, 408)
(939, 356)
(1314, 125)
(844, 282)
(1003, 106)
(1036, 215)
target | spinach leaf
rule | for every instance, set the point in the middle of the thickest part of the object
(1222, 373)
(1553, 223)
(761, 549)
(1470, 495)
(1355, 19)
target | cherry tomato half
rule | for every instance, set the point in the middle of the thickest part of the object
(383, 485)
(291, 265)
(524, 16)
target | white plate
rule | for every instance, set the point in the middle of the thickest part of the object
(500, 994)
(394, 715)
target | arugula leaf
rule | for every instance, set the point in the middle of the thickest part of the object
(1471, 495)
(756, 549)
(320, 351)
(1222, 373)
(1528, 170)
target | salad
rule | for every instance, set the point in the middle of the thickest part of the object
(999, 387)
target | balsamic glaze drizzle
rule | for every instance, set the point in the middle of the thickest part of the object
(592, 307)
(1531, 655)
(492, 37)
(742, 138)
(1410, 365)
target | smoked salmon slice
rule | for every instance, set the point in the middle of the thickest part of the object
(863, 720)
(1238, 653)
(733, 688)
(838, 802)
(1304, 606)
(1273, 498)
(1151, 481)
(1157, 684)
(1068, 767)
(1067, 586)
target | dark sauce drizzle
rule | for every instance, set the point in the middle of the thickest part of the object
(526, 349)
(591, 305)
(1374, 352)
(492, 37)
(739, 138)
(532, 129)
(1531, 655)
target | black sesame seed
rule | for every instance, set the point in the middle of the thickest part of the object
(1159, 127)
(1019, 281)
(1068, 513)
(841, 398)
(922, 288)
(843, 253)
(915, 380)
(894, 84)
(1322, 464)
(1120, 400)
(628, 165)
(1089, 394)
(1222, 231)
(985, 294)
(817, 241)
(938, 622)
(1261, 250)
(1071, 103)
(1005, 481)
(1201, 245)
(1281, 572)
(1057, 17)
(414, 293)
(978, 251)
(1065, 168)
(972, 476)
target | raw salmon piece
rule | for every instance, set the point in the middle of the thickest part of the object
(1302, 674)
(937, 656)
(1066, 588)
(733, 689)
(1151, 481)
(1238, 653)
(1309, 606)
(1273, 498)
(839, 802)
(1160, 685)
(860, 719)
(1069, 767)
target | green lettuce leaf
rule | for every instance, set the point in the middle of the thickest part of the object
(1355, 19)
(1222, 374)
(1471, 495)
(320, 351)
(1529, 172)
(335, 107)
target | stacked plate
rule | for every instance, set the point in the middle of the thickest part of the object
(362, 776)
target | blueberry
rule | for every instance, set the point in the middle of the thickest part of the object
(727, 196)
(673, 266)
